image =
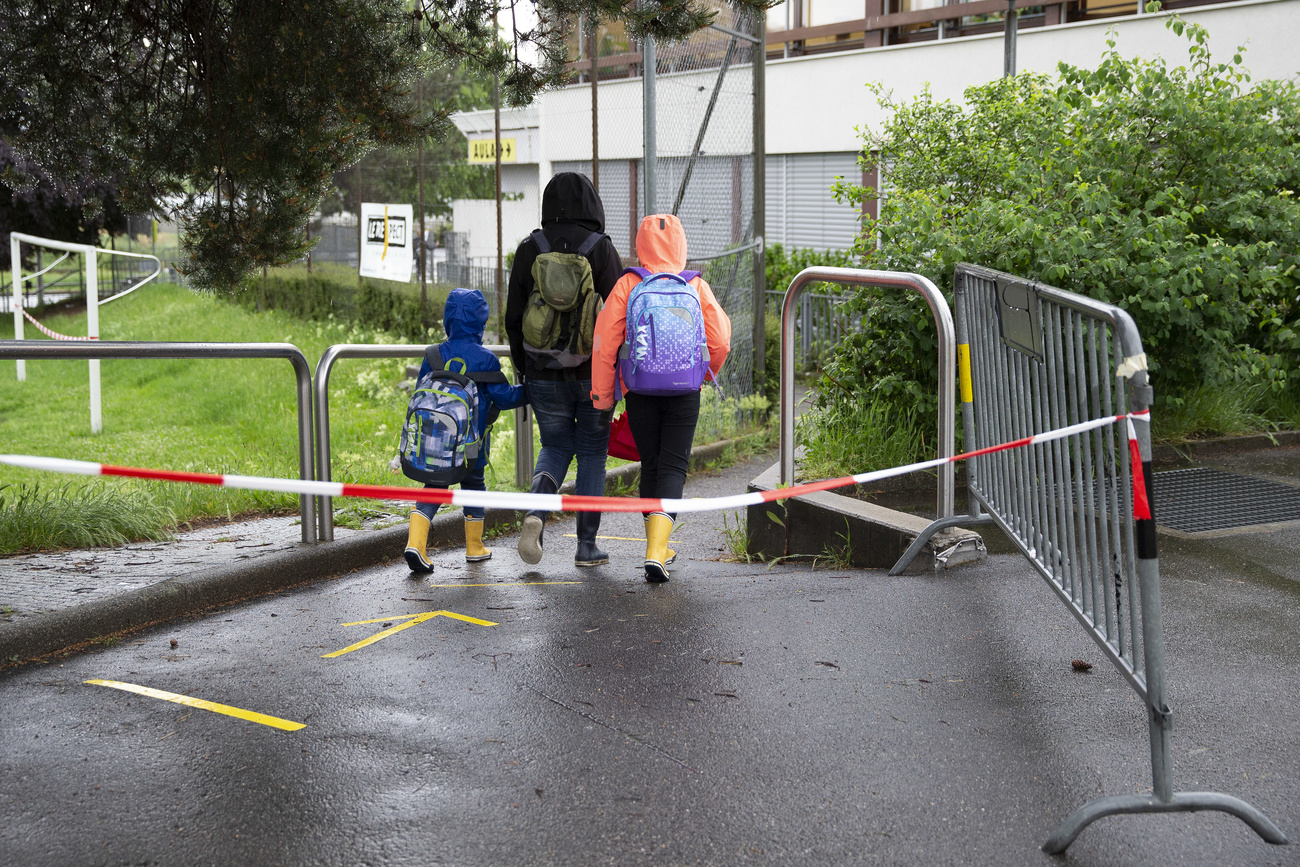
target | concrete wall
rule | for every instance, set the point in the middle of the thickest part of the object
(478, 217)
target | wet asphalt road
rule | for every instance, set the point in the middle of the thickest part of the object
(736, 715)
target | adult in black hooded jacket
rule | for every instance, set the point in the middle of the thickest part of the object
(569, 424)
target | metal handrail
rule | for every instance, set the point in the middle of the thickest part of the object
(325, 508)
(947, 362)
(33, 349)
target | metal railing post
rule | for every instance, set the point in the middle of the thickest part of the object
(947, 437)
(156, 349)
(321, 385)
(523, 446)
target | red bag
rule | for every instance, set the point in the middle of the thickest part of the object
(621, 443)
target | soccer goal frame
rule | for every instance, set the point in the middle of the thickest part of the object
(90, 255)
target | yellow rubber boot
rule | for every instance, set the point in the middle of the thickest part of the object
(416, 540)
(658, 527)
(474, 550)
(672, 555)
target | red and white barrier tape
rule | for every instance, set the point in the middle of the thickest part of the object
(572, 503)
(54, 334)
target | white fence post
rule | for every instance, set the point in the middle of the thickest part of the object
(92, 331)
(17, 265)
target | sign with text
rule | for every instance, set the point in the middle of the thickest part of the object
(483, 150)
(386, 241)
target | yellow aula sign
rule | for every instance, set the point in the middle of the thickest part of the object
(483, 150)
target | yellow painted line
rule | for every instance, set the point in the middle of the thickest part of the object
(251, 716)
(411, 620)
(500, 584)
(963, 371)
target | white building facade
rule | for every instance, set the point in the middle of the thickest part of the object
(816, 101)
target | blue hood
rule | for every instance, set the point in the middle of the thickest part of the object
(465, 315)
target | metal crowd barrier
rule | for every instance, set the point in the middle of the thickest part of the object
(325, 510)
(1034, 358)
(947, 362)
(33, 349)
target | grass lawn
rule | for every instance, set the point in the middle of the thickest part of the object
(218, 415)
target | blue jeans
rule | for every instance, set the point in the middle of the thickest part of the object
(570, 426)
(473, 482)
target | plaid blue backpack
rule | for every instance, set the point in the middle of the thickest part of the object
(440, 441)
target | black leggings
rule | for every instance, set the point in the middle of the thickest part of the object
(663, 428)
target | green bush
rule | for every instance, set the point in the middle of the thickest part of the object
(772, 358)
(337, 295)
(1169, 192)
(781, 267)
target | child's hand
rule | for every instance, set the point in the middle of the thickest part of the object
(395, 465)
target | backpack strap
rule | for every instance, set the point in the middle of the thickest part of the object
(645, 273)
(433, 358)
(435, 362)
(487, 376)
(584, 249)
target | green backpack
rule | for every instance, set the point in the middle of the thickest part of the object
(560, 319)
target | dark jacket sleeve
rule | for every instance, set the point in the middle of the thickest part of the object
(606, 267)
(521, 285)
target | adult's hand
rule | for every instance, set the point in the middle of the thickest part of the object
(606, 416)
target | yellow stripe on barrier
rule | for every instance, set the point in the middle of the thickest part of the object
(240, 713)
(963, 372)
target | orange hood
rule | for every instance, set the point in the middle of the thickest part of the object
(661, 243)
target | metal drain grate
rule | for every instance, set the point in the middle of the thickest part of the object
(1202, 500)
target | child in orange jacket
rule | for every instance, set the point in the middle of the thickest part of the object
(662, 419)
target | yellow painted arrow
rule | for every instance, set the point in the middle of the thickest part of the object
(411, 620)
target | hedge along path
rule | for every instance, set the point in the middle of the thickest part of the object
(573, 503)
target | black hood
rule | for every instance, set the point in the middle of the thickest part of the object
(570, 198)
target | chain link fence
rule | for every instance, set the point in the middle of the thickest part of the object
(704, 120)
(705, 174)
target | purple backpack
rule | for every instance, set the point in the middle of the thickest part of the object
(664, 351)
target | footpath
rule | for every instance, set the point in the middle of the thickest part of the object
(801, 711)
(52, 601)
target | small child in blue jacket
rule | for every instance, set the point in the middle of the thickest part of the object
(463, 318)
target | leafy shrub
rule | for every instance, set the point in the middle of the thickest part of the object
(1169, 192)
(366, 303)
(781, 266)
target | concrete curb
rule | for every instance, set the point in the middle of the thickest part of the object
(184, 596)
(866, 534)
(1218, 446)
